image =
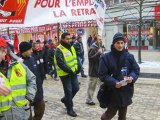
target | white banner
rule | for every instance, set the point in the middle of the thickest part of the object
(40, 12)
(100, 8)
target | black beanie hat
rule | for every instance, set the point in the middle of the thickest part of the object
(118, 36)
(24, 46)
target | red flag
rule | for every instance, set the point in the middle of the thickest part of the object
(16, 43)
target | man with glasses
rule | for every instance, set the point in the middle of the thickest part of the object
(67, 66)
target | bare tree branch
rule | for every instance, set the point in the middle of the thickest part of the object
(137, 2)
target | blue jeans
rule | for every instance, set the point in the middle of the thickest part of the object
(70, 87)
(81, 61)
(53, 71)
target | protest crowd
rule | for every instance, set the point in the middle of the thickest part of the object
(22, 74)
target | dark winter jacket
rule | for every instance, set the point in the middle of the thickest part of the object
(93, 56)
(60, 59)
(79, 48)
(31, 64)
(38, 56)
(110, 72)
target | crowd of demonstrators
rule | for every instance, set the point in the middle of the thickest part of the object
(78, 45)
(67, 67)
(38, 103)
(119, 71)
(20, 83)
(94, 53)
(65, 61)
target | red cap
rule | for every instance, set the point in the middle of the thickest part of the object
(3, 43)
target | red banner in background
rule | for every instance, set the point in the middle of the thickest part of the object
(43, 28)
(157, 12)
(13, 11)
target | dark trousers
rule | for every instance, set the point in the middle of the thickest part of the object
(70, 87)
(39, 108)
(111, 112)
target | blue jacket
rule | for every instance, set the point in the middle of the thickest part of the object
(110, 72)
(31, 64)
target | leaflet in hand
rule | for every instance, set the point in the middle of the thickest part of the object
(124, 82)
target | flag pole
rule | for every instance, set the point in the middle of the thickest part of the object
(58, 25)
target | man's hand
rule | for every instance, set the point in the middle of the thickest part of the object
(118, 85)
(4, 91)
(129, 80)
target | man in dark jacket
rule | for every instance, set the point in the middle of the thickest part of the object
(39, 105)
(94, 54)
(78, 45)
(66, 65)
(119, 71)
(38, 56)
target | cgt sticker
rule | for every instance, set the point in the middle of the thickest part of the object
(18, 72)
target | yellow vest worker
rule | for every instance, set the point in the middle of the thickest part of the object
(17, 83)
(66, 63)
(69, 58)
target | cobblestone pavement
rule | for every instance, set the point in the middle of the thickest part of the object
(146, 102)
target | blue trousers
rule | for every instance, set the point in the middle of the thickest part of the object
(81, 61)
(70, 87)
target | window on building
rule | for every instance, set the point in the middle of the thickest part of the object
(116, 1)
(122, 1)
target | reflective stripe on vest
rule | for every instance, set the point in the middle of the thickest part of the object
(5, 101)
(18, 84)
(69, 58)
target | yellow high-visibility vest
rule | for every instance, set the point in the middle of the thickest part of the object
(70, 58)
(17, 83)
(5, 101)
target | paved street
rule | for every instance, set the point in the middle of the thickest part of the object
(146, 100)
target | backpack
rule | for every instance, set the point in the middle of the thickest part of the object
(104, 96)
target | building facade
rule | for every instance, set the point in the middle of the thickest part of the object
(123, 16)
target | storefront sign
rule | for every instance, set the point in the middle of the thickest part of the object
(133, 32)
(157, 12)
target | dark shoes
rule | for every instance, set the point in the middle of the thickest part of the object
(71, 113)
(84, 76)
(90, 103)
(63, 101)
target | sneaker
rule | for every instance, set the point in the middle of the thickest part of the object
(90, 103)
(56, 78)
(71, 113)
